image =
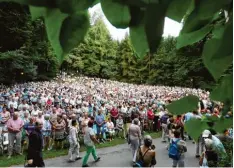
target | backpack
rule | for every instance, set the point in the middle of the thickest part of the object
(174, 151)
(140, 162)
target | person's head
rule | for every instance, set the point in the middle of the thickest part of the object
(136, 121)
(171, 120)
(99, 112)
(206, 134)
(59, 117)
(90, 124)
(148, 141)
(26, 115)
(74, 123)
(54, 110)
(120, 117)
(86, 115)
(195, 112)
(40, 114)
(109, 119)
(4, 109)
(15, 115)
(208, 144)
(38, 125)
(31, 119)
(177, 134)
(47, 117)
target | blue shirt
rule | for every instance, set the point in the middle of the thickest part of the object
(188, 116)
(99, 118)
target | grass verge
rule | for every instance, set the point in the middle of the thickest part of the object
(18, 160)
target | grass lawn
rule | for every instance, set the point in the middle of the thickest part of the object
(17, 160)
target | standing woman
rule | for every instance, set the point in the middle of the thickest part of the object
(74, 144)
(134, 137)
(60, 126)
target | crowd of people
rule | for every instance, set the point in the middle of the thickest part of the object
(98, 110)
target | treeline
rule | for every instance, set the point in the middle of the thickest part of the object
(26, 55)
(100, 56)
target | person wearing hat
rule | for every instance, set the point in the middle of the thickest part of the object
(134, 136)
(146, 155)
(209, 158)
(217, 144)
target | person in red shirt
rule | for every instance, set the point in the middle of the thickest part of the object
(150, 116)
(49, 102)
(114, 114)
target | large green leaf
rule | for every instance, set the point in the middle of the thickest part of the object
(193, 37)
(216, 65)
(217, 53)
(177, 9)
(223, 92)
(183, 105)
(203, 14)
(195, 127)
(226, 42)
(73, 6)
(155, 15)
(139, 40)
(222, 124)
(116, 12)
(137, 16)
(73, 31)
(53, 21)
(208, 8)
(37, 12)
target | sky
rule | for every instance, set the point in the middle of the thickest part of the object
(171, 28)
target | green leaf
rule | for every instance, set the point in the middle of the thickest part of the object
(177, 9)
(183, 105)
(73, 6)
(137, 16)
(139, 40)
(203, 14)
(216, 65)
(226, 41)
(117, 13)
(37, 12)
(53, 21)
(193, 37)
(39, 3)
(208, 8)
(73, 31)
(222, 124)
(223, 92)
(155, 15)
(195, 127)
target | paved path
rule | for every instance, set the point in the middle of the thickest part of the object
(120, 156)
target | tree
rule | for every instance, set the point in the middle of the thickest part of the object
(96, 56)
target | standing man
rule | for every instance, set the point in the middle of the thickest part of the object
(35, 147)
(89, 140)
(14, 126)
(100, 121)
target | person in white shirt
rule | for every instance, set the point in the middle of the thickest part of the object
(23, 111)
(24, 104)
(73, 152)
(110, 128)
